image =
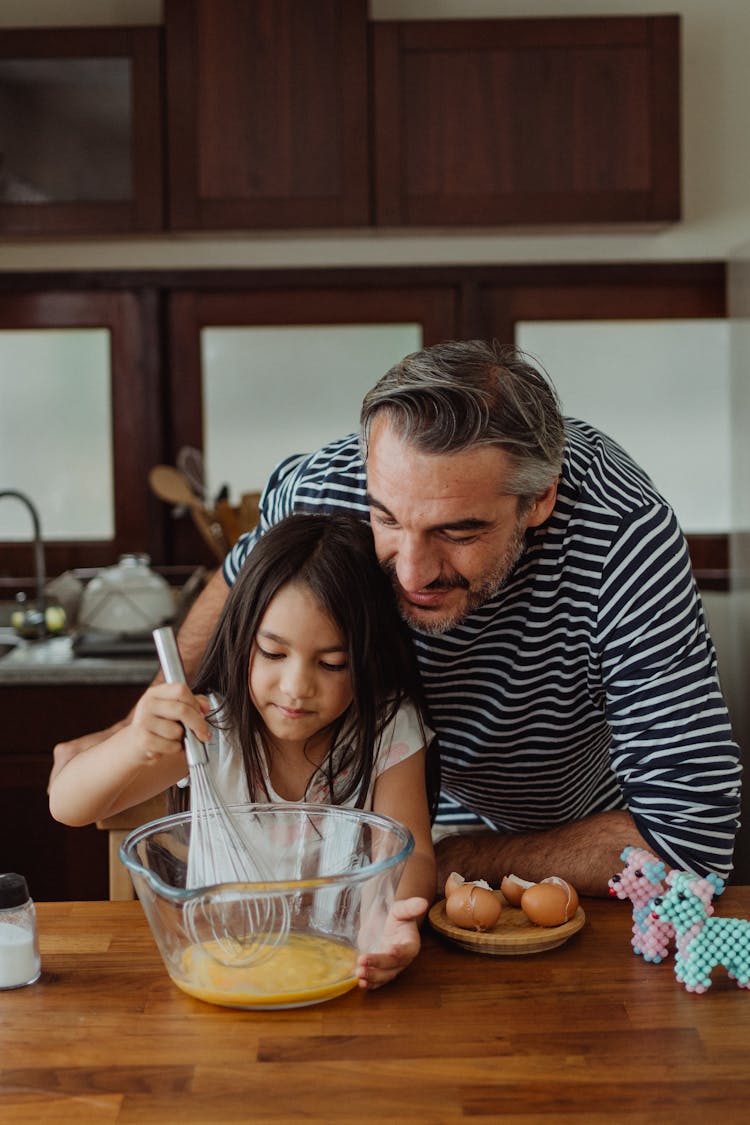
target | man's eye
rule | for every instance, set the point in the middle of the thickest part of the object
(384, 521)
(459, 538)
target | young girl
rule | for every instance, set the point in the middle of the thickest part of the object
(308, 691)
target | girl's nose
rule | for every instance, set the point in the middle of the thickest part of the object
(297, 680)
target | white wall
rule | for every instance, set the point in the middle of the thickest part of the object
(716, 159)
(739, 310)
(737, 649)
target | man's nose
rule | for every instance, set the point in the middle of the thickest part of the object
(416, 562)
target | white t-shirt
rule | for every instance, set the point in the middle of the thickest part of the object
(401, 738)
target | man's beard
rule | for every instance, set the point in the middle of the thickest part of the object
(477, 593)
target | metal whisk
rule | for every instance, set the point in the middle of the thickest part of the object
(247, 926)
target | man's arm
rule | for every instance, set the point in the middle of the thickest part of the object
(192, 640)
(585, 853)
(197, 628)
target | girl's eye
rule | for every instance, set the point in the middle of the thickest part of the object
(333, 667)
(269, 655)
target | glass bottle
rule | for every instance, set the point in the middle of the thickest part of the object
(19, 945)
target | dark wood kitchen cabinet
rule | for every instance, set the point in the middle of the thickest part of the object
(526, 121)
(80, 122)
(58, 862)
(267, 113)
(283, 114)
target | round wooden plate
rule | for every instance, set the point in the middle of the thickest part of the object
(513, 933)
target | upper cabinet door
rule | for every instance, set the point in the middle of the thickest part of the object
(80, 131)
(529, 121)
(267, 113)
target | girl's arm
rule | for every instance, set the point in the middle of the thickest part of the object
(401, 794)
(135, 763)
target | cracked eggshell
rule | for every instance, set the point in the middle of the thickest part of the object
(513, 887)
(572, 903)
(549, 903)
(453, 883)
(473, 908)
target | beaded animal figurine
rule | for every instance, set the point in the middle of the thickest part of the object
(642, 879)
(703, 942)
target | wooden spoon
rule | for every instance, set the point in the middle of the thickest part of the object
(171, 485)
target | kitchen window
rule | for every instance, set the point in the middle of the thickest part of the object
(80, 426)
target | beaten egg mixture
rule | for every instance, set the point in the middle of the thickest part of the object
(305, 970)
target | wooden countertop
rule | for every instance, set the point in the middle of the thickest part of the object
(584, 1033)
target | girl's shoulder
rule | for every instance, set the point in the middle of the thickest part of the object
(404, 734)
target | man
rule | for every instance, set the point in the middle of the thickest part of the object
(562, 642)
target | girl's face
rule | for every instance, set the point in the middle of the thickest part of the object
(298, 677)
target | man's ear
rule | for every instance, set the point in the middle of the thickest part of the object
(542, 507)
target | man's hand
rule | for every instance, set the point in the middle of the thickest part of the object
(398, 946)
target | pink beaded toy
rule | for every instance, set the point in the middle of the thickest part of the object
(703, 942)
(640, 882)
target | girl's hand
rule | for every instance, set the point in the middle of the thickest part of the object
(398, 946)
(160, 719)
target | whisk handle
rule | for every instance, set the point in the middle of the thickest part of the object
(174, 673)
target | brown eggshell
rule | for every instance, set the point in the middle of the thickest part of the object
(513, 887)
(473, 908)
(545, 904)
(453, 883)
(570, 891)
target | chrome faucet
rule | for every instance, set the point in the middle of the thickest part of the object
(39, 568)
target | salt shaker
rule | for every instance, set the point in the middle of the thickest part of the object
(19, 945)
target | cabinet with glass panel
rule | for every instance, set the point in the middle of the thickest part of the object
(80, 122)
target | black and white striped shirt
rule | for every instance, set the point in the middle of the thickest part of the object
(589, 682)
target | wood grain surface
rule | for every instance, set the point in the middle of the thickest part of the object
(586, 1033)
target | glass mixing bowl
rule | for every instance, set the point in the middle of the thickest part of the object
(284, 943)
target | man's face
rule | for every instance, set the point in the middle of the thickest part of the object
(445, 531)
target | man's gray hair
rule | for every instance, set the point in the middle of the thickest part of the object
(462, 394)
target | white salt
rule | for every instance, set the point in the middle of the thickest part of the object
(19, 959)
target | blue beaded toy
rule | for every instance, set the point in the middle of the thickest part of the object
(703, 942)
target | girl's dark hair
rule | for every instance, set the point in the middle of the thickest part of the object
(334, 558)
